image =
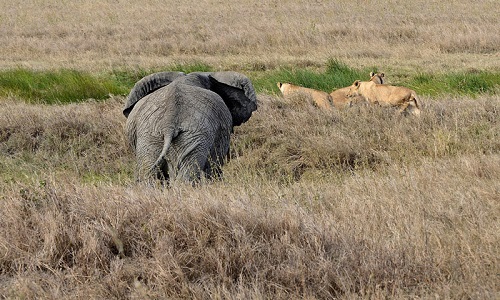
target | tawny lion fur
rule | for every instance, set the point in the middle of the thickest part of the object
(378, 78)
(320, 98)
(387, 95)
(340, 98)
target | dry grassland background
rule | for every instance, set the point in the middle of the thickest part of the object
(354, 204)
(99, 35)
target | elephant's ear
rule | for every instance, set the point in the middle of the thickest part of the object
(240, 101)
(146, 86)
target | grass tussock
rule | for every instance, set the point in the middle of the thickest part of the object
(293, 139)
(84, 139)
(362, 203)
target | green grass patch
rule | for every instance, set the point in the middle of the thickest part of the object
(336, 75)
(471, 83)
(64, 86)
(128, 78)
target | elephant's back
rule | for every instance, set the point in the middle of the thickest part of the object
(201, 107)
(157, 104)
(150, 115)
(148, 85)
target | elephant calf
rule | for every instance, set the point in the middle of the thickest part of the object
(179, 125)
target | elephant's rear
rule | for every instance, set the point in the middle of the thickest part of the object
(146, 130)
(181, 131)
(203, 142)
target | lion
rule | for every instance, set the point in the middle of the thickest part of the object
(340, 99)
(378, 78)
(387, 95)
(320, 98)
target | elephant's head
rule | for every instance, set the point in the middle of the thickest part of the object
(147, 85)
(237, 92)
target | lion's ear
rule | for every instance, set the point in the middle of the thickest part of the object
(371, 74)
(382, 75)
(356, 83)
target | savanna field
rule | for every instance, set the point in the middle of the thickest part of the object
(361, 203)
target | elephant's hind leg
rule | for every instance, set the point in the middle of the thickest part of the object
(192, 158)
(148, 166)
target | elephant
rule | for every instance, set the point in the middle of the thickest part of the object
(179, 125)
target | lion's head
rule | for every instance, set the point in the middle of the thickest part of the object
(378, 78)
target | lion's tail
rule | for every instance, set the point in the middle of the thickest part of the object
(418, 103)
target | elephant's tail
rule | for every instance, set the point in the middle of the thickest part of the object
(160, 162)
(147, 85)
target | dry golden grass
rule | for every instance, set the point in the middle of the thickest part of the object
(100, 35)
(357, 204)
(361, 203)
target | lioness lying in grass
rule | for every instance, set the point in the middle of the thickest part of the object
(340, 98)
(387, 95)
(319, 98)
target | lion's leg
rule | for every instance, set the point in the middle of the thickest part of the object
(403, 107)
(414, 109)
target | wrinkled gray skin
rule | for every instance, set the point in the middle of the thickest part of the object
(179, 125)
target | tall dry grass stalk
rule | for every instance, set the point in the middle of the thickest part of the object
(361, 203)
(414, 35)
